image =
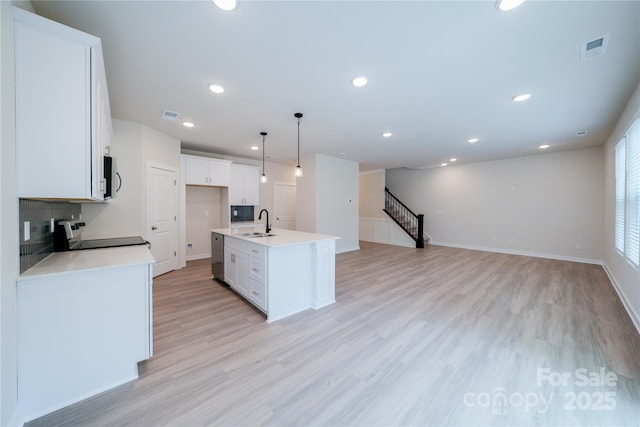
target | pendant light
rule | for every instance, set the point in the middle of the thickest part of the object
(298, 168)
(263, 177)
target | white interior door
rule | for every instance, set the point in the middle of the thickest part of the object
(161, 218)
(284, 206)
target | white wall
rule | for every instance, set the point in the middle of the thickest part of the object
(372, 184)
(132, 146)
(203, 212)
(624, 276)
(9, 255)
(328, 199)
(306, 199)
(542, 205)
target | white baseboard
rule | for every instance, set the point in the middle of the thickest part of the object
(523, 253)
(16, 420)
(198, 256)
(635, 318)
(349, 249)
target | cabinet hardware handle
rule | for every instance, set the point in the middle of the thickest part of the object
(255, 293)
(154, 228)
(254, 250)
(255, 269)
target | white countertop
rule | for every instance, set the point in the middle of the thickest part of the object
(281, 237)
(90, 259)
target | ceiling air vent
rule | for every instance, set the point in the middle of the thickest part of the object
(169, 115)
(595, 47)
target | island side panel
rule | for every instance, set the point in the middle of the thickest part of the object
(290, 280)
(324, 286)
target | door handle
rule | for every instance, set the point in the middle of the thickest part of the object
(154, 228)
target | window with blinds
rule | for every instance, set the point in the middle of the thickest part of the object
(620, 192)
(627, 175)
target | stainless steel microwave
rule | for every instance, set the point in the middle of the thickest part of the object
(112, 179)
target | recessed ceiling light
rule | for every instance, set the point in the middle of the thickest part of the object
(226, 4)
(216, 88)
(443, 164)
(453, 159)
(387, 134)
(521, 97)
(544, 146)
(359, 81)
(188, 124)
(505, 5)
(472, 140)
(255, 147)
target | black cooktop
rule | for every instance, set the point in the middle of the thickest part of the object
(113, 242)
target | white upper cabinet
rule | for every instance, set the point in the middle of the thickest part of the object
(63, 119)
(206, 171)
(244, 188)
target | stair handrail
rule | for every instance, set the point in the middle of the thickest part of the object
(399, 201)
(419, 219)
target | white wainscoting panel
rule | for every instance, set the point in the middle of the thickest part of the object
(383, 230)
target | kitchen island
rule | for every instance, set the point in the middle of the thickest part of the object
(282, 272)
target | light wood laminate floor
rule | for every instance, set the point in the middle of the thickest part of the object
(439, 336)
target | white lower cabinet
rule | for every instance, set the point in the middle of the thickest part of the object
(245, 270)
(80, 334)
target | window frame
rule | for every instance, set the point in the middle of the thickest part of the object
(627, 210)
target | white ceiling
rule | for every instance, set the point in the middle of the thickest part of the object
(439, 73)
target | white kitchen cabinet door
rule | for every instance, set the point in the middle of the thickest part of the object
(258, 293)
(230, 268)
(204, 171)
(63, 120)
(251, 186)
(244, 188)
(219, 173)
(235, 271)
(197, 170)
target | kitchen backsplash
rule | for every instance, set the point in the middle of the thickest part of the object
(39, 214)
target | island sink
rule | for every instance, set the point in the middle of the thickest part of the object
(255, 234)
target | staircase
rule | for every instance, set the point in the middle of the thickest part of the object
(411, 223)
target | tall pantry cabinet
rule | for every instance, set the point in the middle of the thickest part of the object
(63, 119)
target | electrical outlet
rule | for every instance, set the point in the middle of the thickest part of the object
(27, 231)
(579, 246)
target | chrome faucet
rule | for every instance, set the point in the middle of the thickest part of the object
(268, 230)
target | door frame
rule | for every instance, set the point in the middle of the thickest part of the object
(176, 205)
(273, 197)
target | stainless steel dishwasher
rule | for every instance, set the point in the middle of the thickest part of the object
(217, 256)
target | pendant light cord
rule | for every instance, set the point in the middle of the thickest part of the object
(299, 141)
